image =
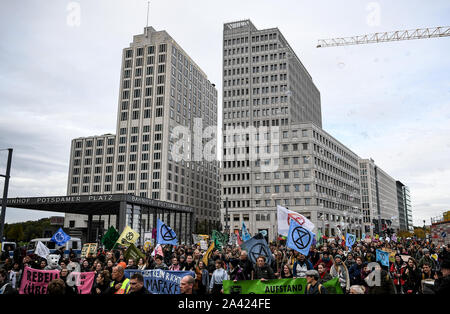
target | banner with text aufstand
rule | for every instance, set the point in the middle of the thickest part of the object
(276, 286)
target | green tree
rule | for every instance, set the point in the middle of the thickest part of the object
(15, 233)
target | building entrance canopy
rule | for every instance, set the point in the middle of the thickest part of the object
(111, 204)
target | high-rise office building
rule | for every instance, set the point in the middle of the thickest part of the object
(379, 200)
(274, 149)
(163, 93)
(404, 207)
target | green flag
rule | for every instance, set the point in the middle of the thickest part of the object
(219, 239)
(110, 238)
(133, 252)
(276, 286)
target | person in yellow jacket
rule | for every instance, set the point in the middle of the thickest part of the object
(119, 284)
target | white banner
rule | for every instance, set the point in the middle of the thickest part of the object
(41, 250)
(284, 216)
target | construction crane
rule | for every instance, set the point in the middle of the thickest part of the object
(421, 33)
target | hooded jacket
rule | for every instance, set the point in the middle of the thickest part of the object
(341, 271)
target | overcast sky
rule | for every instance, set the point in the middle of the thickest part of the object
(60, 65)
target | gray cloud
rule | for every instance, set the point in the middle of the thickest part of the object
(386, 101)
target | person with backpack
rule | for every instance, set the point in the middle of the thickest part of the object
(313, 286)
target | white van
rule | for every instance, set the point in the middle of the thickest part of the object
(73, 243)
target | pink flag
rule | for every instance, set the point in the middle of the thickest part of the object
(35, 281)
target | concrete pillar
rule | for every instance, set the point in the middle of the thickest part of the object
(121, 219)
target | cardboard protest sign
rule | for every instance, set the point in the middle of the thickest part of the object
(89, 248)
(276, 286)
(203, 245)
(35, 281)
(159, 281)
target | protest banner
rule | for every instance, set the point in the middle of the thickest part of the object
(165, 234)
(256, 247)
(127, 237)
(133, 253)
(208, 253)
(203, 245)
(245, 234)
(159, 281)
(284, 217)
(84, 281)
(157, 251)
(382, 257)
(391, 254)
(35, 281)
(219, 239)
(196, 239)
(84, 250)
(299, 238)
(60, 237)
(276, 286)
(89, 248)
(110, 238)
(41, 250)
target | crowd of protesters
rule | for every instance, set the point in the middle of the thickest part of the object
(415, 261)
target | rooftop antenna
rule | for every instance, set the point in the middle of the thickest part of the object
(148, 9)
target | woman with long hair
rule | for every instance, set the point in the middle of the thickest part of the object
(412, 277)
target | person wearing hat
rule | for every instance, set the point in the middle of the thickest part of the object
(427, 259)
(349, 261)
(339, 269)
(313, 286)
(442, 285)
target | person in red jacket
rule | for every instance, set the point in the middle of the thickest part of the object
(326, 260)
(397, 269)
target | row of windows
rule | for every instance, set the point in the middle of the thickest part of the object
(267, 189)
(99, 142)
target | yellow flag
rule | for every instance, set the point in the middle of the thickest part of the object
(208, 254)
(128, 237)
